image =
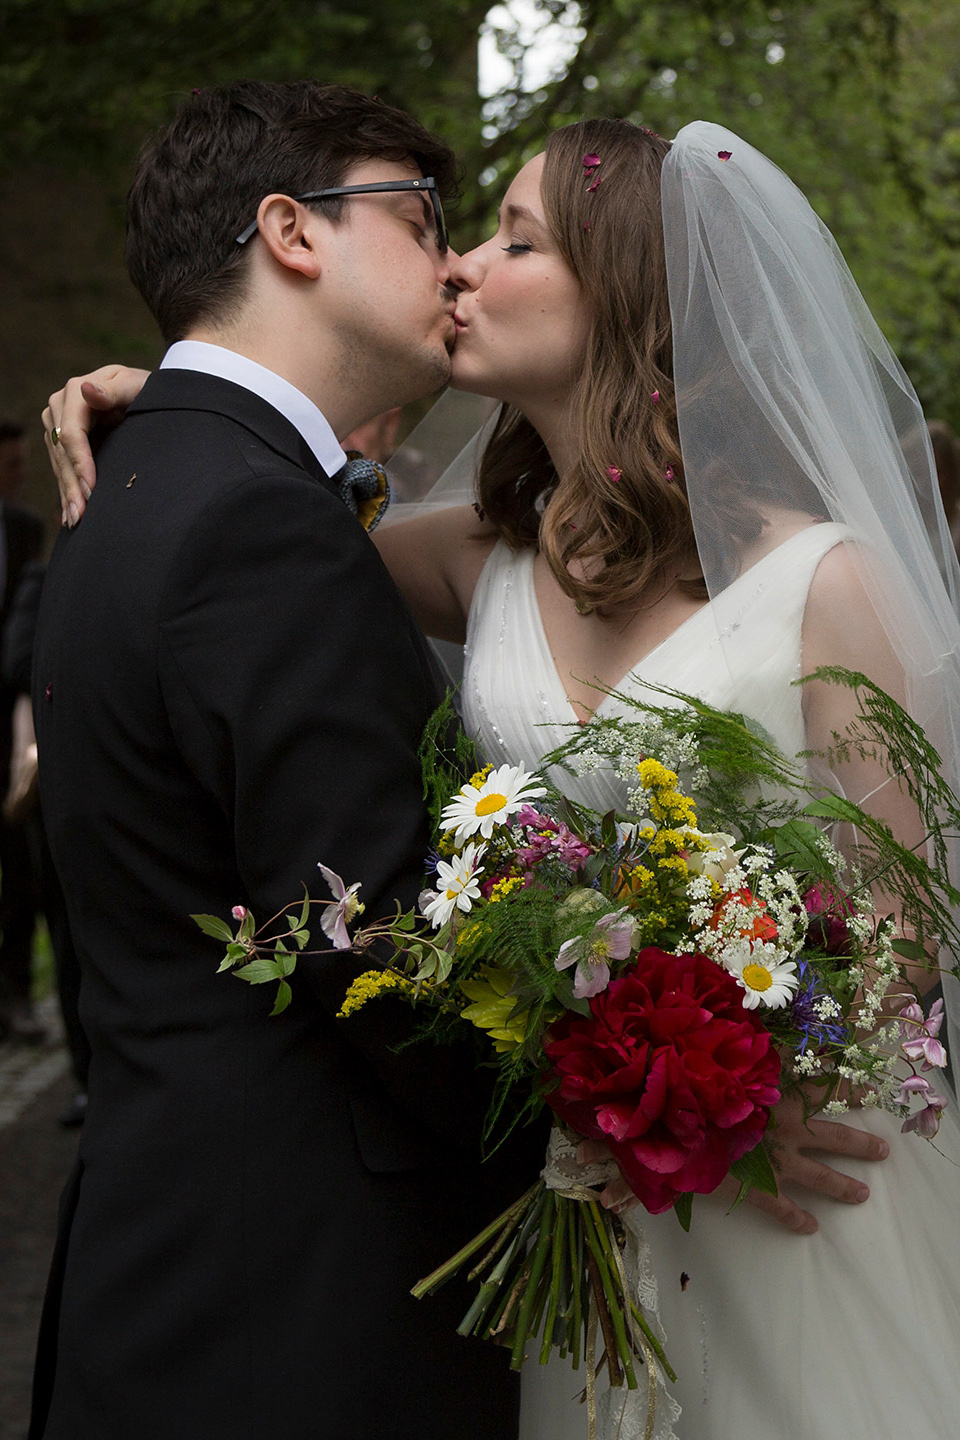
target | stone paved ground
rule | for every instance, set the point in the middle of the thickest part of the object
(35, 1159)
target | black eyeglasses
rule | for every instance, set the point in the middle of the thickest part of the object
(380, 187)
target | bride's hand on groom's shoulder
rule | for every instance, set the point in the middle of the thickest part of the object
(100, 398)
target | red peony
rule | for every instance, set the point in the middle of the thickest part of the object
(671, 1071)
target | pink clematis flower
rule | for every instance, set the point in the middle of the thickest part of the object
(336, 917)
(610, 939)
(926, 1122)
(913, 1085)
(919, 1035)
(239, 912)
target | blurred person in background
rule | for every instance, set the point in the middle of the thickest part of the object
(946, 453)
(22, 808)
(21, 542)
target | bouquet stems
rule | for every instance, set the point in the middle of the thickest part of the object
(550, 1265)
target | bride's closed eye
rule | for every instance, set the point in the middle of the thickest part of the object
(517, 247)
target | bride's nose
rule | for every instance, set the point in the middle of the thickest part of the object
(467, 271)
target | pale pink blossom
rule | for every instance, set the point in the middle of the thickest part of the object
(335, 918)
(919, 1035)
(926, 1122)
(610, 939)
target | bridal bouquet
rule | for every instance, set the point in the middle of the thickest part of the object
(659, 978)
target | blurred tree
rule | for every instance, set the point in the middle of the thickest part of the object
(858, 100)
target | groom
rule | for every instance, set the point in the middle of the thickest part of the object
(228, 691)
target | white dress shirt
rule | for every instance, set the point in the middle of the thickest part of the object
(291, 402)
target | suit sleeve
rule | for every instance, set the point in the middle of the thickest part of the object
(298, 687)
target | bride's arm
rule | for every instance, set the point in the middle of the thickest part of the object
(102, 397)
(435, 561)
(841, 627)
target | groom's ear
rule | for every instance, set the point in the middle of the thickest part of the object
(289, 231)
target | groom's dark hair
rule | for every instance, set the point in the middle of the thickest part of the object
(200, 181)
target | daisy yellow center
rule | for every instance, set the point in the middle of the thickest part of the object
(452, 894)
(490, 804)
(757, 977)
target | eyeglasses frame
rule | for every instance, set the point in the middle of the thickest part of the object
(426, 183)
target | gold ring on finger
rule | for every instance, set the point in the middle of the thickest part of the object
(55, 435)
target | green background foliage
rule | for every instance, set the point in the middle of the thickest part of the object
(858, 100)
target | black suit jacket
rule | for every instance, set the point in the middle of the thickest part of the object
(229, 689)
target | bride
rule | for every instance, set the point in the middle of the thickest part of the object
(708, 471)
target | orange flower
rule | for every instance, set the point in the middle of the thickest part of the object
(762, 927)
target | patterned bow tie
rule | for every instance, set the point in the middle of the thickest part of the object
(364, 489)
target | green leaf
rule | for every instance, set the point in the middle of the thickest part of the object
(258, 972)
(300, 938)
(800, 840)
(235, 951)
(909, 949)
(741, 1195)
(755, 1170)
(284, 996)
(407, 921)
(683, 1208)
(292, 921)
(214, 926)
(444, 965)
(226, 964)
(834, 807)
(305, 912)
(286, 963)
(247, 927)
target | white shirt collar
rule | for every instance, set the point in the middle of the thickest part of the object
(291, 402)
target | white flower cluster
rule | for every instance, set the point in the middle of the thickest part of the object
(621, 748)
(886, 970)
(830, 853)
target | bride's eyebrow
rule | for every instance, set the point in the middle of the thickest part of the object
(520, 212)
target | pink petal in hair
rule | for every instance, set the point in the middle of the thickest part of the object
(655, 397)
(614, 473)
(590, 162)
(668, 475)
(724, 154)
(594, 185)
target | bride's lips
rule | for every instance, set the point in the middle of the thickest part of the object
(461, 325)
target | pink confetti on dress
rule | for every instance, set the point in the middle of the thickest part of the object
(724, 154)
(614, 474)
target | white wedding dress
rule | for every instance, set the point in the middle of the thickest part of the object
(849, 1334)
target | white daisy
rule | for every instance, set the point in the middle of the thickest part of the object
(765, 977)
(457, 886)
(477, 809)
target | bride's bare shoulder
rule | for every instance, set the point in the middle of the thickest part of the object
(435, 559)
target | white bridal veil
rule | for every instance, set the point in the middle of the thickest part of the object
(792, 408)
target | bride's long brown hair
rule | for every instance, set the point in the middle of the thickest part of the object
(619, 518)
